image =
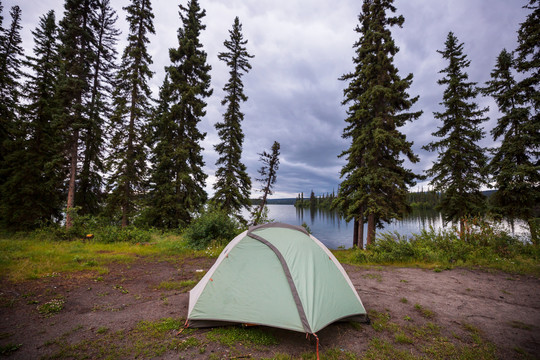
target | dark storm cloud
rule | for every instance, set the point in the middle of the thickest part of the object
(301, 48)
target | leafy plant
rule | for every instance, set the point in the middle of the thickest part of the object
(211, 226)
(52, 307)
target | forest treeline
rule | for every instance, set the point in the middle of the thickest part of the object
(421, 200)
(424, 200)
(80, 134)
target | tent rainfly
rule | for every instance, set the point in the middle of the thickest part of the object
(275, 275)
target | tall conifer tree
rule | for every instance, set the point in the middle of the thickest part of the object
(528, 57)
(233, 185)
(77, 56)
(105, 36)
(189, 76)
(514, 166)
(528, 65)
(460, 168)
(375, 183)
(32, 196)
(12, 132)
(132, 111)
(11, 54)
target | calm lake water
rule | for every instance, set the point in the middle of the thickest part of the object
(335, 232)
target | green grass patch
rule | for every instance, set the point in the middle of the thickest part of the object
(9, 349)
(425, 312)
(177, 285)
(157, 329)
(520, 325)
(401, 338)
(29, 256)
(149, 339)
(51, 307)
(380, 349)
(232, 335)
(102, 330)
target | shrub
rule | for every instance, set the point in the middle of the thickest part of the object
(211, 226)
(482, 244)
(109, 234)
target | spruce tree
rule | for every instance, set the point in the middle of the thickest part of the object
(32, 196)
(268, 172)
(182, 167)
(375, 182)
(105, 35)
(514, 166)
(233, 185)
(161, 208)
(12, 131)
(74, 82)
(11, 54)
(460, 168)
(132, 111)
(528, 57)
(528, 66)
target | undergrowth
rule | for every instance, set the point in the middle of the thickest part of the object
(484, 246)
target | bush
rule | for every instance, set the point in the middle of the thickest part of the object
(211, 226)
(481, 245)
(109, 234)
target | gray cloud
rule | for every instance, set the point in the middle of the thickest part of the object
(301, 48)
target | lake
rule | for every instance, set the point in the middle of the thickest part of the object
(334, 231)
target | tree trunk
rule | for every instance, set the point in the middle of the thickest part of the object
(72, 178)
(371, 229)
(361, 232)
(355, 233)
(124, 216)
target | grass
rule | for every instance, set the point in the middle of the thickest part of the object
(39, 254)
(231, 335)
(184, 285)
(25, 257)
(9, 348)
(51, 307)
(425, 312)
(152, 339)
(148, 339)
(520, 325)
(485, 247)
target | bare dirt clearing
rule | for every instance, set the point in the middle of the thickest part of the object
(136, 310)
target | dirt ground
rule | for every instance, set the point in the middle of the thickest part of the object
(505, 308)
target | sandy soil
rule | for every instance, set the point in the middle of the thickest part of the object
(506, 308)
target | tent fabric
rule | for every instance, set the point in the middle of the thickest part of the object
(275, 275)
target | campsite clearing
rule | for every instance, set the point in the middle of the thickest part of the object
(136, 310)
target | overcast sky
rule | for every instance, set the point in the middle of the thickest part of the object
(301, 48)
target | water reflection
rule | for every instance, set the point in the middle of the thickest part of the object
(335, 232)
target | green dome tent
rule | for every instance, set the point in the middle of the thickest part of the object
(275, 275)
